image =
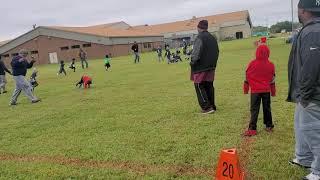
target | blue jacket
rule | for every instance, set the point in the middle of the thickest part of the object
(20, 65)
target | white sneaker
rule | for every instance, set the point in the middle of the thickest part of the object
(312, 177)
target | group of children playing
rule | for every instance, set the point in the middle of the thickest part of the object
(85, 80)
(171, 57)
(73, 65)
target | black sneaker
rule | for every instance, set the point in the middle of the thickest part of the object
(4, 92)
(36, 101)
(13, 104)
(208, 111)
(296, 163)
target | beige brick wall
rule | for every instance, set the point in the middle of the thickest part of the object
(226, 32)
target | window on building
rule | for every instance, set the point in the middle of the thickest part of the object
(239, 35)
(149, 45)
(64, 48)
(75, 47)
(34, 52)
(145, 45)
(86, 45)
(6, 55)
(14, 54)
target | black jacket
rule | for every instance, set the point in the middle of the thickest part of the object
(135, 48)
(3, 68)
(20, 65)
(205, 53)
(304, 66)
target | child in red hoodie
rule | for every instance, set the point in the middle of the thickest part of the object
(86, 81)
(260, 78)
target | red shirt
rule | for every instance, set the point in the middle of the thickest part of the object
(86, 81)
(207, 76)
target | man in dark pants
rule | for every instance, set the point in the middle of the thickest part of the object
(304, 88)
(135, 49)
(3, 81)
(203, 64)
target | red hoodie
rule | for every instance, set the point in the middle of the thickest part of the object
(263, 40)
(260, 74)
(86, 81)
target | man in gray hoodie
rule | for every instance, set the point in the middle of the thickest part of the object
(304, 88)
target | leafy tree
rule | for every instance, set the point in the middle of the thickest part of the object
(284, 25)
(259, 29)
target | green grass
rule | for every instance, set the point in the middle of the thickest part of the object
(145, 114)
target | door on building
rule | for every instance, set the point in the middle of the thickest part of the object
(53, 58)
(239, 35)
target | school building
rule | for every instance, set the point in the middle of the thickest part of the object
(52, 44)
(228, 26)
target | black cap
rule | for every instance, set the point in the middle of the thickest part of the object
(203, 24)
(310, 5)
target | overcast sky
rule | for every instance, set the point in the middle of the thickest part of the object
(18, 16)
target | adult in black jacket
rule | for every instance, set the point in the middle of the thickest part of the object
(135, 49)
(3, 81)
(203, 64)
(304, 88)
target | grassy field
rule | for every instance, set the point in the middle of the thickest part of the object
(142, 122)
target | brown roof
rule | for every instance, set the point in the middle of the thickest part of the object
(107, 30)
(4, 42)
(108, 24)
(191, 24)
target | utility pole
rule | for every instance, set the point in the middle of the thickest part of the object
(267, 25)
(292, 9)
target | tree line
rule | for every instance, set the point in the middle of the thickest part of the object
(278, 27)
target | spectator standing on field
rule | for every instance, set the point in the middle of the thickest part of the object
(166, 46)
(3, 80)
(185, 47)
(83, 58)
(168, 55)
(304, 88)
(135, 49)
(20, 65)
(203, 64)
(159, 52)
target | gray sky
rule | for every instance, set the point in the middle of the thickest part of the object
(17, 16)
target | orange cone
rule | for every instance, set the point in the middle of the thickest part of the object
(228, 166)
